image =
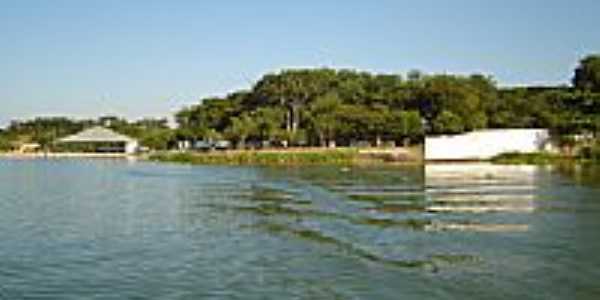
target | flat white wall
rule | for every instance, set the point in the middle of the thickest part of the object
(485, 144)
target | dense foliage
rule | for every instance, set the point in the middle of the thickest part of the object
(587, 74)
(324, 107)
(40, 130)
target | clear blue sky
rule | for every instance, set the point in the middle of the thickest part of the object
(149, 58)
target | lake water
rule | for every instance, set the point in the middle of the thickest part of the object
(112, 229)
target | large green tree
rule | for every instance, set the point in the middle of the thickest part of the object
(587, 74)
(241, 128)
(323, 118)
(269, 122)
(448, 123)
(405, 126)
(293, 90)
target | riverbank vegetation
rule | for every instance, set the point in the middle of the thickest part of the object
(330, 157)
(321, 107)
(585, 153)
(326, 108)
(528, 158)
(294, 156)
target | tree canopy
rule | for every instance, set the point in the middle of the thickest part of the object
(587, 74)
(342, 106)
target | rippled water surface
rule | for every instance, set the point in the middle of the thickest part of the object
(111, 229)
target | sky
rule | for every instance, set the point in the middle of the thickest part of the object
(150, 58)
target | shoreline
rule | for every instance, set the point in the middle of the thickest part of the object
(36, 155)
(284, 157)
(295, 156)
(301, 156)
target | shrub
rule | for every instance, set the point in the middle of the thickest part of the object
(516, 158)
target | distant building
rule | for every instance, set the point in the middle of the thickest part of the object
(485, 144)
(101, 139)
(108, 121)
(29, 148)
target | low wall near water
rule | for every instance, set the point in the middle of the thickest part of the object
(485, 144)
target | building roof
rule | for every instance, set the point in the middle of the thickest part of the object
(97, 134)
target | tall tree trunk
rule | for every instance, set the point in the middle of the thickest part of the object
(288, 120)
(322, 140)
(295, 118)
(288, 114)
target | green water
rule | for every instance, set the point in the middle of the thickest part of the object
(111, 229)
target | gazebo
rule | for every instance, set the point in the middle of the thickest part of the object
(103, 140)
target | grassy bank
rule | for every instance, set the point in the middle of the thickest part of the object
(540, 158)
(338, 157)
(584, 154)
(347, 156)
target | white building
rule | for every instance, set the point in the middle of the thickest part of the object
(485, 144)
(105, 140)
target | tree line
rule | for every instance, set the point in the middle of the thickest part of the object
(321, 107)
(153, 133)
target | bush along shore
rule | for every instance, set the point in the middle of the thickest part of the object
(589, 154)
(346, 156)
(540, 158)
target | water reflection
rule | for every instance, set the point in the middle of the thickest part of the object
(339, 208)
(481, 188)
(581, 174)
